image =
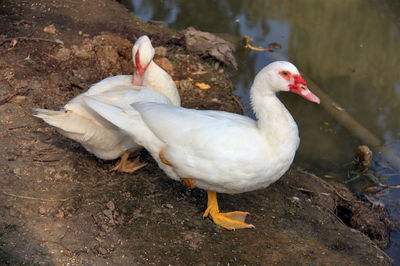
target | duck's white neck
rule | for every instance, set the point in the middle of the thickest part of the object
(274, 120)
(158, 79)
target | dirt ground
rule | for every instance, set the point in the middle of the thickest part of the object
(61, 205)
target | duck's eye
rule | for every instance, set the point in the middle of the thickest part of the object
(285, 74)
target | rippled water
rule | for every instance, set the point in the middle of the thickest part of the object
(349, 49)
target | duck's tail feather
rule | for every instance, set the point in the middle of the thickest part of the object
(69, 125)
(124, 118)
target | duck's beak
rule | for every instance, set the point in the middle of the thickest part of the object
(137, 79)
(139, 70)
(300, 87)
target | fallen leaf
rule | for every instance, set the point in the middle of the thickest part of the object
(50, 29)
(13, 42)
(370, 188)
(202, 86)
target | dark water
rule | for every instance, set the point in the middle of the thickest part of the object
(351, 50)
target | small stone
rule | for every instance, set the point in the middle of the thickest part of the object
(60, 214)
(185, 85)
(42, 210)
(110, 205)
(161, 51)
(102, 251)
(50, 29)
(169, 206)
(108, 214)
(80, 33)
(17, 171)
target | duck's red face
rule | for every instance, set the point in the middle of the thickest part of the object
(299, 86)
(139, 70)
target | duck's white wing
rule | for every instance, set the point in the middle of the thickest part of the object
(187, 126)
(109, 83)
(123, 96)
(214, 136)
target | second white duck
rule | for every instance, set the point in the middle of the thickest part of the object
(100, 137)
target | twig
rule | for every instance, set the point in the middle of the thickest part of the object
(337, 217)
(77, 86)
(383, 252)
(238, 103)
(49, 55)
(27, 39)
(33, 198)
(95, 219)
(45, 160)
(8, 97)
(248, 44)
(329, 186)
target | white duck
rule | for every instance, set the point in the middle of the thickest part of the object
(219, 151)
(100, 137)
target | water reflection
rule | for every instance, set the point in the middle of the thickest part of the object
(351, 50)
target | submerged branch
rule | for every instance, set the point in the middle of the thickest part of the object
(346, 120)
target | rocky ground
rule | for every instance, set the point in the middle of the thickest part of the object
(61, 205)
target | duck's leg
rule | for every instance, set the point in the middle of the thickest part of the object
(188, 182)
(128, 167)
(229, 220)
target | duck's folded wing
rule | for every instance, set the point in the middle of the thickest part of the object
(123, 96)
(200, 133)
(109, 83)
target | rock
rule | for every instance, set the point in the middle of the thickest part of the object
(110, 205)
(168, 206)
(17, 171)
(165, 64)
(42, 210)
(60, 214)
(102, 251)
(206, 44)
(108, 214)
(185, 85)
(364, 156)
(50, 29)
(161, 51)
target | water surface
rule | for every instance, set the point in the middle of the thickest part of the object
(350, 50)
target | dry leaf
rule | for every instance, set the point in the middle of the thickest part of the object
(50, 29)
(202, 86)
(13, 42)
(370, 188)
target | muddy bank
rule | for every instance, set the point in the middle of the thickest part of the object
(59, 204)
